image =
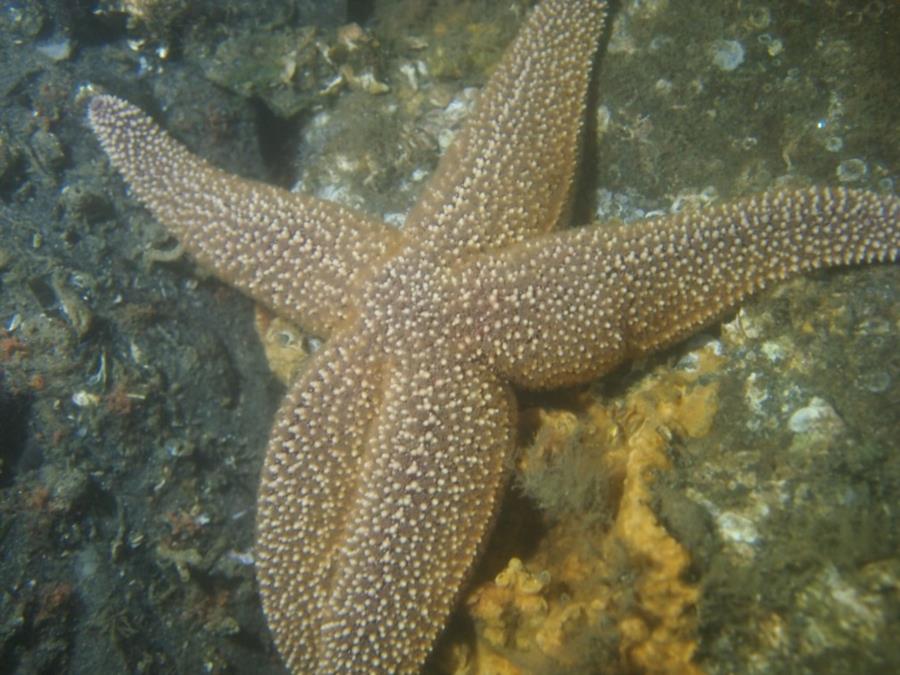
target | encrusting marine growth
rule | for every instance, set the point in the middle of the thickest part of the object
(389, 455)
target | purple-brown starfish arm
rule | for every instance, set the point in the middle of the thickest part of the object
(523, 134)
(311, 478)
(433, 483)
(254, 236)
(569, 306)
(378, 491)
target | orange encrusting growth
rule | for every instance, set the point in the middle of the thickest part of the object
(523, 614)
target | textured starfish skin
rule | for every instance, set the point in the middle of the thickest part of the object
(388, 457)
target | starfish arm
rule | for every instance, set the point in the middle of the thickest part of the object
(301, 256)
(432, 485)
(309, 479)
(570, 306)
(510, 171)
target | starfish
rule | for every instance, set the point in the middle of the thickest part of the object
(389, 456)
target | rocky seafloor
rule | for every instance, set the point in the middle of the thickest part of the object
(728, 506)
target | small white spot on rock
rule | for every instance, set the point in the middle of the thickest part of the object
(85, 399)
(773, 351)
(55, 49)
(737, 528)
(817, 415)
(727, 54)
(852, 170)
